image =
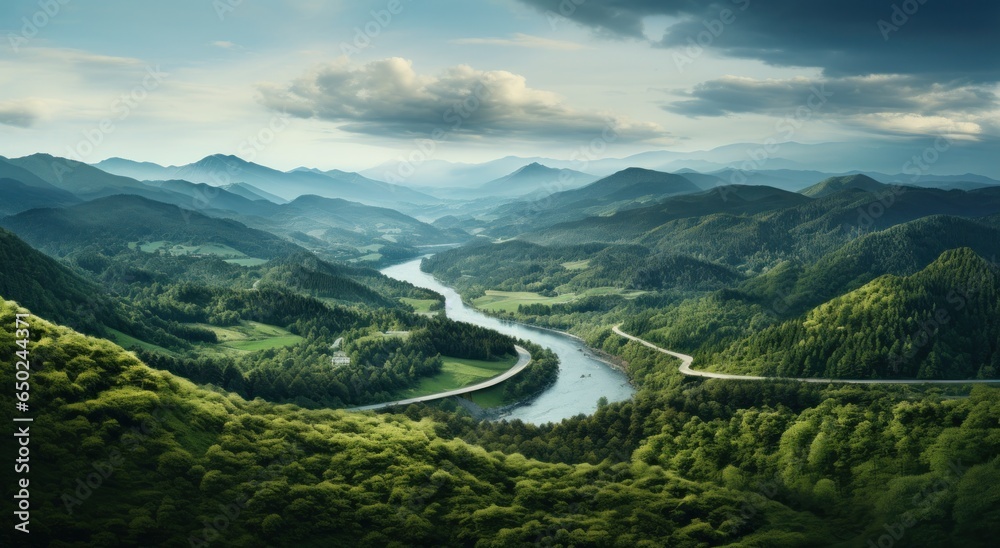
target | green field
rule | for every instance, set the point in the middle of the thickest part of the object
(128, 341)
(250, 336)
(249, 261)
(577, 265)
(488, 397)
(508, 301)
(458, 373)
(266, 344)
(215, 250)
(421, 306)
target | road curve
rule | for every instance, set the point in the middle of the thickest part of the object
(686, 361)
(523, 359)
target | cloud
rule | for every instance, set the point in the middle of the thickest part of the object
(79, 58)
(22, 113)
(224, 44)
(389, 98)
(524, 41)
(915, 124)
(893, 104)
(940, 40)
(848, 96)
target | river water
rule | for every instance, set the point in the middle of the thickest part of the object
(583, 378)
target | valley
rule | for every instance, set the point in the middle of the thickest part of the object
(525, 273)
(636, 341)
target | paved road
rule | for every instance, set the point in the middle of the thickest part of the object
(523, 359)
(686, 361)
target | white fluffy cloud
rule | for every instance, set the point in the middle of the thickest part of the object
(389, 98)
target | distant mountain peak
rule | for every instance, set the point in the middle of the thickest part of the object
(533, 167)
(833, 185)
(225, 158)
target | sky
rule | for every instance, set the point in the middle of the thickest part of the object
(352, 84)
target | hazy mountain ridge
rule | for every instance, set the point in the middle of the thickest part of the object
(836, 184)
(222, 170)
(124, 219)
(16, 197)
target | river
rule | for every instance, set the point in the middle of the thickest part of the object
(582, 380)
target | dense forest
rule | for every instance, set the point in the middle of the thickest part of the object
(797, 318)
(682, 464)
(937, 323)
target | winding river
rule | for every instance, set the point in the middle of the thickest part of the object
(583, 378)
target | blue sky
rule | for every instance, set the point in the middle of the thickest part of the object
(171, 82)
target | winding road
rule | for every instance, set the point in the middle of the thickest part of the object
(523, 359)
(686, 361)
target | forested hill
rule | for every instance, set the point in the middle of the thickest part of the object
(939, 323)
(627, 184)
(836, 184)
(523, 266)
(625, 189)
(673, 467)
(18, 197)
(901, 250)
(753, 228)
(119, 220)
(50, 288)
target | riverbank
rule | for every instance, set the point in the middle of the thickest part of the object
(584, 377)
(612, 361)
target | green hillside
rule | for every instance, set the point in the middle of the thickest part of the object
(229, 471)
(901, 250)
(50, 288)
(119, 220)
(76, 177)
(16, 197)
(938, 323)
(837, 184)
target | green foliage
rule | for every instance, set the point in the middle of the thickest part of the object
(251, 473)
(122, 219)
(934, 324)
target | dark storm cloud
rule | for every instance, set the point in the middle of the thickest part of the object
(850, 96)
(937, 39)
